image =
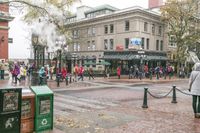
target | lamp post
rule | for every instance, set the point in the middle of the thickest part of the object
(60, 42)
(39, 57)
(141, 52)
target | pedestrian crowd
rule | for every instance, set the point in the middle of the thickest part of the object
(148, 72)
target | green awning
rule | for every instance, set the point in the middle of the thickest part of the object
(105, 63)
(134, 57)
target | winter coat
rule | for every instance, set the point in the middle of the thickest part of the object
(194, 81)
(16, 70)
(42, 72)
(118, 71)
(64, 72)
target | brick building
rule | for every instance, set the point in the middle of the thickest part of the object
(155, 3)
(4, 19)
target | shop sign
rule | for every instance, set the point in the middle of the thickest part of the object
(119, 48)
(135, 43)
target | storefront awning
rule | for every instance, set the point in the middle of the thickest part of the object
(149, 57)
(132, 57)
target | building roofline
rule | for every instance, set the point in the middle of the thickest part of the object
(106, 6)
(116, 13)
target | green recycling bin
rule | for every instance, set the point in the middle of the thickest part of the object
(10, 110)
(43, 108)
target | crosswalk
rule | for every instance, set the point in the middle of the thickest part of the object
(65, 105)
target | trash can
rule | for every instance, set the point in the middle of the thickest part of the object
(10, 110)
(27, 111)
(43, 108)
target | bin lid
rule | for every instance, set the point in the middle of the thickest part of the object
(41, 90)
(27, 93)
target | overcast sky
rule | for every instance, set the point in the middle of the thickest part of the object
(20, 48)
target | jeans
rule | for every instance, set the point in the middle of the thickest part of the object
(196, 103)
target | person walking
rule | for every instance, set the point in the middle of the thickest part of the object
(16, 73)
(194, 83)
(64, 73)
(81, 71)
(90, 73)
(42, 75)
(76, 72)
(118, 72)
(2, 70)
(130, 74)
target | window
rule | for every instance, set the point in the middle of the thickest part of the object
(111, 28)
(142, 45)
(93, 31)
(153, 28)
(78, 47)
(147, 43)
(75, 34)
(106, 29)
(172, 41)
(93, 45)
(157, 44)
(127, 25)
(105, 44)
(126, 43)
(88, 43)
(89, 31)
(160, 30)
(111, 43)
(75, 47)
(161, 45)
(145, 26)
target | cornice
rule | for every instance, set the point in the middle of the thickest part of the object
(114, 15)
(4, 28)
(6, 18)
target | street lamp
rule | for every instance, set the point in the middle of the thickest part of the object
(60, 43)
(39, 56)
(141, 52)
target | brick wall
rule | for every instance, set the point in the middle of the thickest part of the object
(4, 35)
(4, 7)
(3, 23)
(3, 44)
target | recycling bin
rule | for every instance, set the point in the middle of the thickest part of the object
(27, 111)
(43, 108)
(10, 110)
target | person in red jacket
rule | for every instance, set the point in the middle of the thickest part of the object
(81, 71)
(118, 72)
(64, 73)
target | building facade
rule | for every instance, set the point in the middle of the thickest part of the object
(106, 33)
(4, 19)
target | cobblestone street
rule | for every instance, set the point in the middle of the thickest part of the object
(114, 106)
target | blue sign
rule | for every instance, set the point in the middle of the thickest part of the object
(136, 41)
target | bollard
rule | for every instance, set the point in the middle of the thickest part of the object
(157, 76)
(151, 76)
(145, 98)
(58, 80)
(165, 75)
(70, 79)
(174, 95)
(66, 79)
(170, 75)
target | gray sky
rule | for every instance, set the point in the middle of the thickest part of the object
(20, 48)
